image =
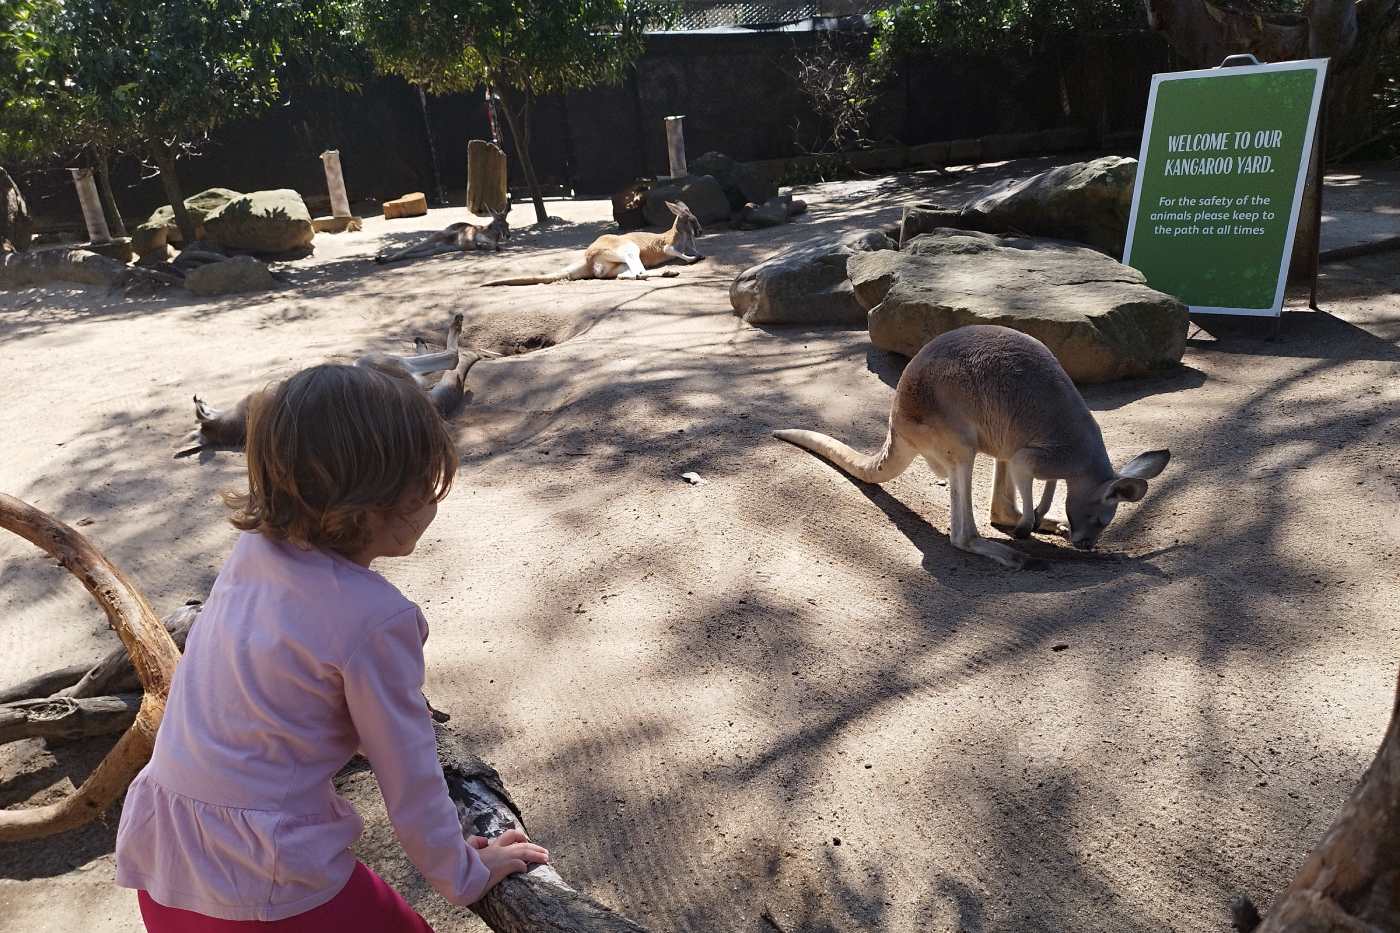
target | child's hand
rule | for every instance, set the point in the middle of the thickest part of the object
(510, 852)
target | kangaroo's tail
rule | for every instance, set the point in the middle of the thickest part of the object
(578, 270)
(880, 467)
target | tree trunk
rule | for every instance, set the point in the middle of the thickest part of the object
(44, 685)
(102, 163)
(165, 160)
(16, 226)
(1352, 33)
(66, 718)
(439, 192)
(113, 674)
(516, 120)
(1351, 881)
(153, 654)
(531, 902)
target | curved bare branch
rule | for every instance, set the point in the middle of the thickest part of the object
(152, 651)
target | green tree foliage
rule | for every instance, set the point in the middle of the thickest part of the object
(913, 26)
(156, 78)
(521, 49)
(37, 112)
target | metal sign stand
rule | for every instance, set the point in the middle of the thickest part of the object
(1318, 172)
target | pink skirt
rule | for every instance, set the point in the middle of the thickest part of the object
(365, 903)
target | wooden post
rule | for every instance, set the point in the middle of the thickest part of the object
(675, 146)
(335, 183)
(92, 206)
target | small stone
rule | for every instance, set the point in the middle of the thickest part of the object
(1059, 647)
(414, 204)
(694, 479)
(836, 840)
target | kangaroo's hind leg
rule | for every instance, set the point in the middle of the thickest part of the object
(963, 526)
(1005, 514)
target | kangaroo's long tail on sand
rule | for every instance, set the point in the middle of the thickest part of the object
(880, 467)
(578, 270)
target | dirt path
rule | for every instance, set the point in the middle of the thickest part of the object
(779, 692)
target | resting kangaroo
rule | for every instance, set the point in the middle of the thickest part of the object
(229, 427)
(459, 236)
(628, 255)
(992, 390)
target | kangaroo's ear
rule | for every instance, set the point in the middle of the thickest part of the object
(677, 207)
(1148, 465)
(1123, 489)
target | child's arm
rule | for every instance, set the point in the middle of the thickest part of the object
(383, 691)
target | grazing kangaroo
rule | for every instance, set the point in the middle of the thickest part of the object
(628, 255)
(459, 236)
(996, 391)
(229, 427)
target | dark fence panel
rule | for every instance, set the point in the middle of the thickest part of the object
(737, 92)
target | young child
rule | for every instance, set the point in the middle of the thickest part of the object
(301, 656)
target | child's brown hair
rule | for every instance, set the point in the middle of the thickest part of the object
(332, 444)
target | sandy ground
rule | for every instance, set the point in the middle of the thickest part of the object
(781, 692)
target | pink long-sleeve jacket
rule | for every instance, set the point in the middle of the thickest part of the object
(298, 659)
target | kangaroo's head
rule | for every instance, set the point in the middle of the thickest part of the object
(1091, 505)
(686, 225)
(498, 226)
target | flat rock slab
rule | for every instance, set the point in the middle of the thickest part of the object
(1095, 314)
(806, 284)
(1088, 202)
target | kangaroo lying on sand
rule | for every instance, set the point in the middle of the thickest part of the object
(992, 390)
(459, 236)
(628, 255)
(229, 427)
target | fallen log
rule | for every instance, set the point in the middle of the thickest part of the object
(67, 718)
(44, 685)
(229, 427)
(112, 675)
(116, 674)
(153, 654)
(1351, 881)
(537, 901)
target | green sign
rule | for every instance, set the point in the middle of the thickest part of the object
(1219, 181)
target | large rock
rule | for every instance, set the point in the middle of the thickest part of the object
(1095, 314)
(160, 228)
(742, 183)
(1088, 202)
(701, 193)
(60, 264)
(272, 222)
(239, 274)
(806, 284)
(16, 226)
(628, 205)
